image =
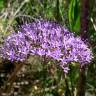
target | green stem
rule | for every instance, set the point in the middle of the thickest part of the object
(82, 82)
(68, 91)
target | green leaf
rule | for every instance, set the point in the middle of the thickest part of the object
(1, 4)
(49, 94)
(74, 15)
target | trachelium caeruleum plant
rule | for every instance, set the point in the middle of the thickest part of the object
(46, 38)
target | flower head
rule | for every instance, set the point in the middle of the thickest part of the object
(46, 38)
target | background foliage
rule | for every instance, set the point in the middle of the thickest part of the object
(36, 78)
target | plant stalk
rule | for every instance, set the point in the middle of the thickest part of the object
(84, 35)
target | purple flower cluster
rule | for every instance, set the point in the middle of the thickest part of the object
(15, 47)
(46, 38)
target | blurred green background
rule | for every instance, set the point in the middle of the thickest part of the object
(37, 78)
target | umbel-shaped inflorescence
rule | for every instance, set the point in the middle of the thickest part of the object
(46, 38)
